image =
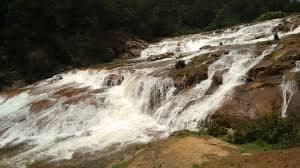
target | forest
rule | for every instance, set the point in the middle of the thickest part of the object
(38, 38)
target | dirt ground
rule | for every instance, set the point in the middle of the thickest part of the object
(207, 152)
(183, 152)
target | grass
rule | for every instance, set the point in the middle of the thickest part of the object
(119, 165)
(196, 166)
(255, 146)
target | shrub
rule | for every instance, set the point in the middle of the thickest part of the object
(214, 129)
(211, 128)
(281, 132)
(270, 15)
(119, 165)
(180, 64)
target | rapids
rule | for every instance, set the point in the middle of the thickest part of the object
(100, 109)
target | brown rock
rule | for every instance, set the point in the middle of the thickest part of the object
(161, 56)
(113, 80)
(294, 106)
(217, 81)
(293, 76)
(247, 104)
(77, 99)
(39, 106)
(70, 92)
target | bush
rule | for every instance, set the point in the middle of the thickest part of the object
(281, 132)
(119, 165)
(180, 64)
(270, 15)
(214, 129)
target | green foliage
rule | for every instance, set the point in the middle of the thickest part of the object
(119, 165)
(214, 129)
(74, 32)
(256, 146)
(280, 132)
(196, 166)
(271, 15)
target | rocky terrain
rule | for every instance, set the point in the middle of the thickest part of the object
(98, 116)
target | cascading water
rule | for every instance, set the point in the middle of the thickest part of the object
(98, 110)
(289, 88)
(187, 109)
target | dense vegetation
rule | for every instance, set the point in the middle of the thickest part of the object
(272, 130)
(41, 37)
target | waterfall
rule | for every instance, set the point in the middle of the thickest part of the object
(186, 110)
(289, 88)
(103, 110)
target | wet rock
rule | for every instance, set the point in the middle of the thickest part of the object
(206, 47)
(218, 77)
(39, 106)
(217, 81)
(135, 47)
(77, 99)
(293, 76)
(126, 55)
(137, 43)
(70, 92)
(19, 119)
(161, 56)
(55, 78)
(113, 80)
(294, 106)
(245, 104)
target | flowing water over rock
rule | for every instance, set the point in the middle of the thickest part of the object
(289, 88)
(103, 110)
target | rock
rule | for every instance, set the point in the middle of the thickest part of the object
(19, 119)
(39, 106)
(161, 56)
(245, 104)
(126, 55)
(135, 47)
(293, 76)
(294, 106)
(217, 81)
(55, 78)
(206, 47)
(270, 80)
(135, 52)
(113, 80)
(218, 77)
(136, 44)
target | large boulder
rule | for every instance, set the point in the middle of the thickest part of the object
(294, 105)
(217, 80)
(248, 102)
(135, 47)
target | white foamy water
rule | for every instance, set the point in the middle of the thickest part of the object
(289, 88)
(99, 110)
(235, 66)
(236, 35)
